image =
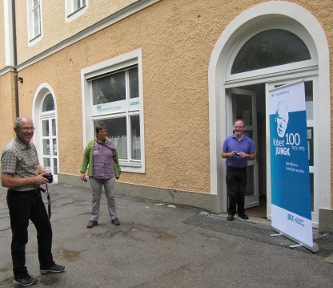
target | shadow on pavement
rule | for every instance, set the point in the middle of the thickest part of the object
(257, 232)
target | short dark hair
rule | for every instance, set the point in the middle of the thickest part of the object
(99, 127)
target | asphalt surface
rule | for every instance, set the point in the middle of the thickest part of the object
(163, 245)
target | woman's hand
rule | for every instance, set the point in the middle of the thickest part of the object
(83, 177)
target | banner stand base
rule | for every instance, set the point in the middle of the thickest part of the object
(276, 234)
(295, 246)
(314, 248)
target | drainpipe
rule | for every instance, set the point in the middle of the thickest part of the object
(16, 79)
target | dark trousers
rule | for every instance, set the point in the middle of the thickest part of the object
(25, 206)
(236, 183)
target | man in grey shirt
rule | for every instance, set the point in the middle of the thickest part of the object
(22, 174)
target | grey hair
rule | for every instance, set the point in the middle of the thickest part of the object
(18, 122)
(240, 119)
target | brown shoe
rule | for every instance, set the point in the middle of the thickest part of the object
(115, 222)
(92, 223)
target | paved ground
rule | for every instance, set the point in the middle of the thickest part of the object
(160, 245)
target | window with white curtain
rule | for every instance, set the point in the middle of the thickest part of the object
(73, 6)
(113, 96)
(119, 91)
(35, 22)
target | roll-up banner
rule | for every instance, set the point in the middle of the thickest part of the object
(290, 179)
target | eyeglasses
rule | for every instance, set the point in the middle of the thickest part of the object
(26, 129)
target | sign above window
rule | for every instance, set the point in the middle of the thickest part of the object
(116, 107)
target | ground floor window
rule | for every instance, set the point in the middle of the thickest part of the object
(113, 97)
(124, 132)
(46, 136)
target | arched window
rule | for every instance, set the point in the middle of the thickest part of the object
(48, 103)
(46, 123)
(270, 48)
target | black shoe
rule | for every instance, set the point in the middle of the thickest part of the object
(55, 268)
(243, 216)
(230, 217)
(25, 281)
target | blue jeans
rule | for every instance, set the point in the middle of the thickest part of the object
(25, 206)
(96, 187)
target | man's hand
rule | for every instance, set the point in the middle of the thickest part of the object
(9, 181)
(40, 179)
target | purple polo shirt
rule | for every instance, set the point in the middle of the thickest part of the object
(103, 160)
(231, 143)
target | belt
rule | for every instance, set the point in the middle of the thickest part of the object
(236, 168)
(24, 192)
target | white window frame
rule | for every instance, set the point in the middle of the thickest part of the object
(266, 72)
(89, 115)
(308, 26)
(33, 37)
(38, 115)
(71, 13)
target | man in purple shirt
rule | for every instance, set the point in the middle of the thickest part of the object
(237, 149)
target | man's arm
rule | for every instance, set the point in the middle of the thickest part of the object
(40, 169)
(252, 156)
(10, 181)
(228, 154)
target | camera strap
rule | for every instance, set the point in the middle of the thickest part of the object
(48, 199)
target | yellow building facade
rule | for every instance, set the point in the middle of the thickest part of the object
(168, 79)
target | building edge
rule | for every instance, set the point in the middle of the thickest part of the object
(208, 202)
(203, 201)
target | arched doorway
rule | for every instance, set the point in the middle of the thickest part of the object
(46, 123)
(227, 63)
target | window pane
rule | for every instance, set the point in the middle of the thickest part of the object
(47, 162)
(48, 104)
(55, 147)
(36, 21)
(309, 100)
(270, 48)
(134, 82)
(55, 166)
(312, 191)
(35, 12)
(116, 128)
(310, 145)
(45, 128)
(110, 88)
(36, 17)
(243, 105)
(250, 181)
(46, 147)
(79, 4)
(54, 128)
(135, 135)
(76, 4)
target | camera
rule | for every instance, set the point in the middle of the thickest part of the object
(49, 176)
